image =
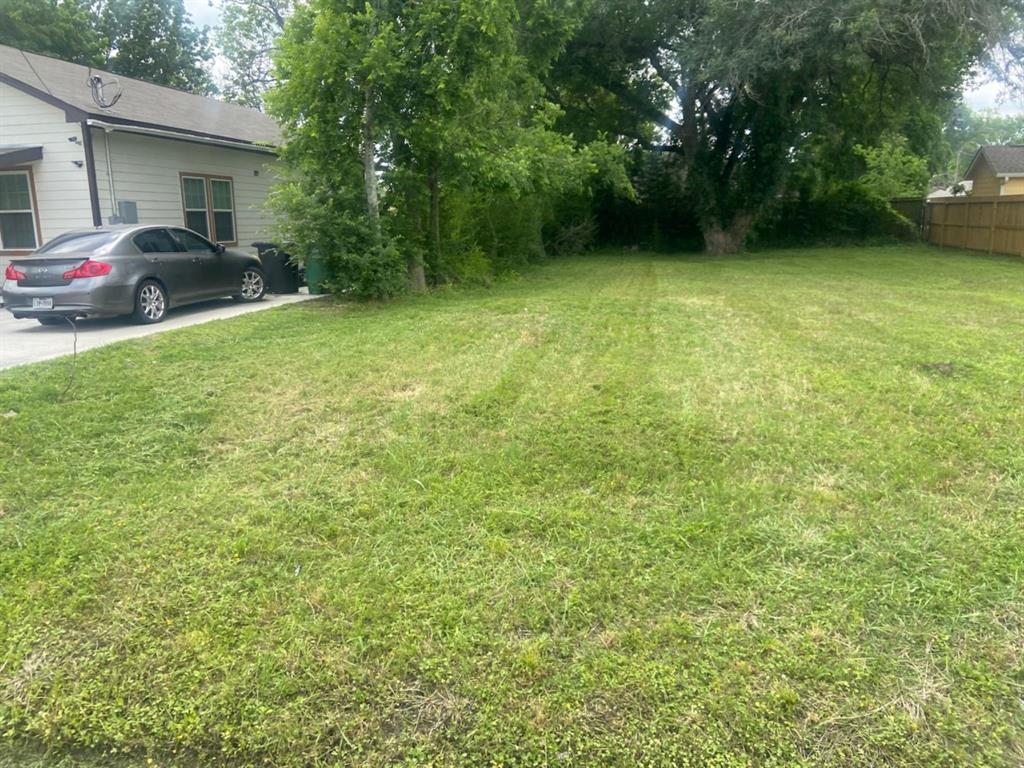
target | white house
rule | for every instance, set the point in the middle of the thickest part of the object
(80, 147)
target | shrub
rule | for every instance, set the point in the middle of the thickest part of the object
(845, 214)
(374, 273)
(571, 237)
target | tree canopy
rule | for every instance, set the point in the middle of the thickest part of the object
(246, 39)
(967, 131)
(65, 29)
(422, 134)
(153, 40)
(742, 92)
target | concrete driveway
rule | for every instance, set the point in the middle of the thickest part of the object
(26, 341)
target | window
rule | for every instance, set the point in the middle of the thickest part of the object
(209, 206)
(193, 191)
(223, 210)
(156, 241)
(192, 242)
(17, 212)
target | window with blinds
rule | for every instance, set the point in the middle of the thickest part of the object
(208, 203)
(17, 212)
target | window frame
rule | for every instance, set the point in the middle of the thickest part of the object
(37, 229)
(208, 179)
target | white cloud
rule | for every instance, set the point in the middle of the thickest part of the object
(204, 13)
(987, 95)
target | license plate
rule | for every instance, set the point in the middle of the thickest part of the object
(42, 303)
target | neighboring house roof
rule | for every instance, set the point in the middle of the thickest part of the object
(967, 186)
(1003, 159)
(66, 85)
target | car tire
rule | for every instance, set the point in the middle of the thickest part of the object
(52, 321)
(150, 302)
(254, 286)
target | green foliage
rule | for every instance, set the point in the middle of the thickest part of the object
(64, 29)
(316, 220)
(467, 154)
(248, 33)
(892, 170)
(967, 131)
(156, 41)
(754, 97)
(152, 40)
(844, 214)
(626, 510)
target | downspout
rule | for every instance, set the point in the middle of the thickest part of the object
(90, 173)
(110, 174)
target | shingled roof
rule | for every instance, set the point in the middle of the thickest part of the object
(1003, 159)
(65, 85)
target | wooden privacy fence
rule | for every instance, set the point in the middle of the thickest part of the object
(991, 224)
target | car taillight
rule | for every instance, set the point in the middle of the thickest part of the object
(13, 274)
(88, 268)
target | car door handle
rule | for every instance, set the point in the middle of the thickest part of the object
(196, 259)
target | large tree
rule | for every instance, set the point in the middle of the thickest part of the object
(153, 40)
(412, 123)
(156, 41)
(739, 92)
(246, 39)
(65, 29)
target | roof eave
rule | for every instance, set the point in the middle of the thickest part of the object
(74, 114)
(108, 123)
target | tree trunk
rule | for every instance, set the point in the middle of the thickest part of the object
(721, 240)
(368, 150)
(435, 212)
(417, 276)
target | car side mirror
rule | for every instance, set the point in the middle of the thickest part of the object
(219, 248)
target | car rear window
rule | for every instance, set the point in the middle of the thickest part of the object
(79, 242)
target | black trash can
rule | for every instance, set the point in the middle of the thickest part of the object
(282, 274)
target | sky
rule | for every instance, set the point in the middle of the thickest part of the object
(984, 96)
(979, 96)
(204, 12)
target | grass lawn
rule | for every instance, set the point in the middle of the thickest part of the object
(627, 509)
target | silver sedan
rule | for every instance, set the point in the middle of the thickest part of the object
(140, 271)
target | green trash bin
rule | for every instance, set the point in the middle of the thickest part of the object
(316, 273)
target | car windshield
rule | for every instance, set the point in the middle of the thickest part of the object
(80, 242)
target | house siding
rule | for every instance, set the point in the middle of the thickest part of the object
(61, 187)
(147, 171)
(1013, 187)
(986, 185)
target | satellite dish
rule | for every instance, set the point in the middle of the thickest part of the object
(105, 94)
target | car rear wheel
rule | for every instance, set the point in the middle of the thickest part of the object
(150, 302)
(254, 285)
